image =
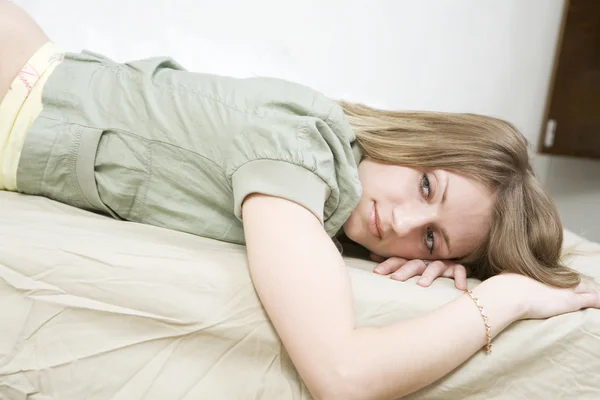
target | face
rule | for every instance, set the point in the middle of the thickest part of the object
(411, 213)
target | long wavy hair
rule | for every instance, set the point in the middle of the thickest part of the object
(526, 234)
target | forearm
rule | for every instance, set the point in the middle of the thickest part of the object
(305, 288)
(392, 361)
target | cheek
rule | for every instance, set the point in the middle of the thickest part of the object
(409, 248)
(390, 187)
(387, 182)
(378, 181)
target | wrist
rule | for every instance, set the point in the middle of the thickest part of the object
(502, 303)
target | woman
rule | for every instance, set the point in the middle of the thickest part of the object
(283, 169)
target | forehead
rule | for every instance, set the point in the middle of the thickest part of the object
(466, 215)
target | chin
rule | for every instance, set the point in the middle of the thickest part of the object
(355, 232)
(347, 228)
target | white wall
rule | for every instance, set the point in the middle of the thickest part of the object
(485, 56)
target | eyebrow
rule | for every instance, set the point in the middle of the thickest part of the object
(442, 230)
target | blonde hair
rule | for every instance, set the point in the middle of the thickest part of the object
(525, 234)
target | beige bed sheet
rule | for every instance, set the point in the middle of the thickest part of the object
(93, 308)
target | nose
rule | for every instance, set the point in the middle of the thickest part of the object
(407, 218)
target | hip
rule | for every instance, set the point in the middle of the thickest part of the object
(20, 107)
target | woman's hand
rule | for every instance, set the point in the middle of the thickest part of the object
(540, 301)
(401, 269)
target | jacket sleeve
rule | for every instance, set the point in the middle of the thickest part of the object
(299, 158)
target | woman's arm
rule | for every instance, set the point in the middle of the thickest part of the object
(304, 286)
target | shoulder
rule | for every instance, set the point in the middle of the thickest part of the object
(297, 144)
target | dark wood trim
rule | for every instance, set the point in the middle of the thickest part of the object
(552, 82)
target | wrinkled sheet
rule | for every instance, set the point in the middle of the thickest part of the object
(93, 308)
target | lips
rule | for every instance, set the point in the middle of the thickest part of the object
(374, 222)
(378, 223)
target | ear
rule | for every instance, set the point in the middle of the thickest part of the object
(376, 258)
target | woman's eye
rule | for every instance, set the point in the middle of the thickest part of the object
(425, 186)
(429, 240)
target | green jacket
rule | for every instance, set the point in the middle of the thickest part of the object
(159, 145)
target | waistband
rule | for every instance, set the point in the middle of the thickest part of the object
(20, 107)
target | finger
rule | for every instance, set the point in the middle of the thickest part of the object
(433, 271)
(408, 270)
(457, 272)
(460, 276)
(377, 258)
(449, 272)
(390, 265)
(584, 287)
(590, 299)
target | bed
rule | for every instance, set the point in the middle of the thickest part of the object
(94, 308)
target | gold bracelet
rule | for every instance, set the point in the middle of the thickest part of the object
(488, 345)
